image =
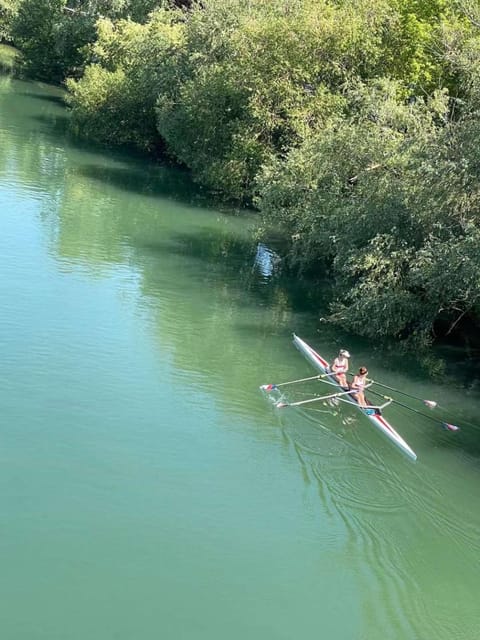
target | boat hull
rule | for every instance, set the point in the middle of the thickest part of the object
(376, 419)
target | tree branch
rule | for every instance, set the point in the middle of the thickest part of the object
(372, 167)
(470, 14)
(454, 324)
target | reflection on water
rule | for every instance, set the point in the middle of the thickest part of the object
(146, 477)
(266, 260)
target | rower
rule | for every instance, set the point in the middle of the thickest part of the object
(358, 386)
(340, 367)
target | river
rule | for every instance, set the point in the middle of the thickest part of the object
(149, 490)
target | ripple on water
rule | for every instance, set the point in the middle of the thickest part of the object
(387, 505)
(355, 475)
(430, 492)
(316, 439)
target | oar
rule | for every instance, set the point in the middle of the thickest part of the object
(428, 403)
(282, 405)
(445, 425)
(371, 407)
(271, 387)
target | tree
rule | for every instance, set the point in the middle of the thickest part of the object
(8, 10)
(352, 200)
(50, 38)
(114, 102)
(54, 35)
(254, 79)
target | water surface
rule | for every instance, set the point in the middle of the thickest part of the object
(148, 489)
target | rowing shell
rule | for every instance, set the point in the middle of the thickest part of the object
(375, 418)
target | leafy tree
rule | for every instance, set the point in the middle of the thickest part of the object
(50, 38)
(54, 35)
(137, 10)
(350, 201)
(114, 102)
(8, 10)
(248, 81)
(251, 80)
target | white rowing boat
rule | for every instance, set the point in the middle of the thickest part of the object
(374, 414)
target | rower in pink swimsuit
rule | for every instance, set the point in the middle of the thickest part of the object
(358, 386)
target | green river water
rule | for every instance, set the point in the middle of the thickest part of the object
(148, 489)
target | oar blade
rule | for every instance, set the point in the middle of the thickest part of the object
(431, 404)
(268, 387)
(450, 427)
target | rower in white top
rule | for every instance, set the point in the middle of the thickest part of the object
(340, 367)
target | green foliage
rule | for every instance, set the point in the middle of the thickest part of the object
(388, 200)
(8, 59)
(50, 38)
(137, 10)
(114, 102)
(252, 80)
(246, 82)
(8, 9)
(54, 35)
